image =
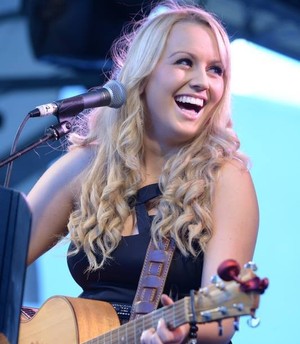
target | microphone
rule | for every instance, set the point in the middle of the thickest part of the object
(112, 94)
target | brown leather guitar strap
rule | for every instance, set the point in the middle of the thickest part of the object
(152, 279)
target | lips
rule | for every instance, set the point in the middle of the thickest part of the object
(189, 103)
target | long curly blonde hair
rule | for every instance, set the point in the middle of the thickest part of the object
(187, 179)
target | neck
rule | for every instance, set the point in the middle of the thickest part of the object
(155, 156)
(153, 160)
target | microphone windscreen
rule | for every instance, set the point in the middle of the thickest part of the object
(118, 93)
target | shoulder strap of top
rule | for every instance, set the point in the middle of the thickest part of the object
(144, 195)
(157, 260)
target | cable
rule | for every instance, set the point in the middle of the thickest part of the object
(13, 149)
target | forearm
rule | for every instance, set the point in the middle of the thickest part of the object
(210, 333)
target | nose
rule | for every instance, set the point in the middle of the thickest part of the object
(199, 80)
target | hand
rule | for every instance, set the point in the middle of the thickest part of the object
(162, 334)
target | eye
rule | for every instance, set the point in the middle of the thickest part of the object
(185, 62)
(217, 70)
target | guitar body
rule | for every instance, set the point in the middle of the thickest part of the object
(67, 320)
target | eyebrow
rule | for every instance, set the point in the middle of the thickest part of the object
(180, 52)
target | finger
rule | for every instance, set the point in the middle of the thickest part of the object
(150, 337)
(169, 336)
(166, 300)
(164, 333)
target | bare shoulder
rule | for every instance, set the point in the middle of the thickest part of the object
(233, 166)
(71, 165)
(75, 160)
(235, 196)
(232, 173)
(78, 155)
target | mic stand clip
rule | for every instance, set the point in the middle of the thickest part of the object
(55, 132)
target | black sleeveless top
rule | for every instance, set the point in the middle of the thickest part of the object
(118, 280)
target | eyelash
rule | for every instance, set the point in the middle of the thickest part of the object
(217, 69)
(186, 60)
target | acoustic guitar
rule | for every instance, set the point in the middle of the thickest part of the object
(67, 320)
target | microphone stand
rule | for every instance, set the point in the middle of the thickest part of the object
(55, 132)
(15, 228)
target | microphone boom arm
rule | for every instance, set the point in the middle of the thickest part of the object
(55, 132)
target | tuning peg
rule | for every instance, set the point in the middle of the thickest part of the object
(253, 321)
(223, 310)
(239, 306)
(251, 265)
(216, 280)
(229, 270)
(204, 291)
(236, 324)
(220, 328)
(206, 315)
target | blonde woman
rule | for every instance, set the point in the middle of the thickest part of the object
(169, 152)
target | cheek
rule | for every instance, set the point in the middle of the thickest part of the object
(161, 80)
(218, 91)
(156, 93)
(150, 96)
(151, 101)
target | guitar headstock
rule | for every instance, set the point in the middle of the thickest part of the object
(233, 293)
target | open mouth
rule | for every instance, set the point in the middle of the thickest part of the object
(190, 103)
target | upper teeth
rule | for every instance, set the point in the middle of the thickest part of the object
(191, 100)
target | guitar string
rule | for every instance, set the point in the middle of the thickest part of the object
(174, 314)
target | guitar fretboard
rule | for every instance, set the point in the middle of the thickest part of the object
(175, 315)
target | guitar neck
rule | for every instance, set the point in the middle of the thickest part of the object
(175, 315)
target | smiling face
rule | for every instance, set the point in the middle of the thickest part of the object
(185, 86)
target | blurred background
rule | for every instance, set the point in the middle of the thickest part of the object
(53, 49)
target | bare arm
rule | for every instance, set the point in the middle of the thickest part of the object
(235, 226)
(51, 201)
(235, 220)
